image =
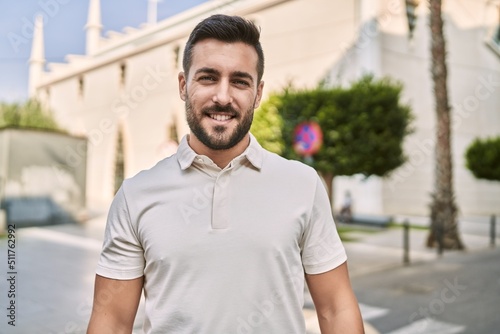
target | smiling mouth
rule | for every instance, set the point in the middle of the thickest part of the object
(220, 117)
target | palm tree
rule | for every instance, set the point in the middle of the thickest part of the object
(444, 227)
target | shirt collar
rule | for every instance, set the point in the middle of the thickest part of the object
(185, 154)
(254, 153)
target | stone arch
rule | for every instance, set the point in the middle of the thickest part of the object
(121, 155)
(119, 163)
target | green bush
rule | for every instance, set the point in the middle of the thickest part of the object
(363, 125)
(267, 125)
(483, 158)
(30, 114)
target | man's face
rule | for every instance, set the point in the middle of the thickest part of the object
(221, 92)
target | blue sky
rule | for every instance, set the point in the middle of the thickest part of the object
(63, 32)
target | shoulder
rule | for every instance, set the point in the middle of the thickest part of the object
(295, 169)
(154, 176)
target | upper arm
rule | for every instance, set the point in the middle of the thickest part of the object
(335, 302)
(115, 305)
(320, 243)
(122, 255)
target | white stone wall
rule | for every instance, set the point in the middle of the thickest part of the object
(304, 42)
(475, 105)
(474, 85)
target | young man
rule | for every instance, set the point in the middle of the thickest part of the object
(220, 235)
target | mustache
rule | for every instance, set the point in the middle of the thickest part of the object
(218, 108)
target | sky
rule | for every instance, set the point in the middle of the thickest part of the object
(64, 22)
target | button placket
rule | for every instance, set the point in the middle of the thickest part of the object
(221, 199)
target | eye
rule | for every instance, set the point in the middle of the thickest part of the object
(241, 83)
(207, 78)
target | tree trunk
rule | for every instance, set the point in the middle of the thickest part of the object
(328, 179)
(444, 227)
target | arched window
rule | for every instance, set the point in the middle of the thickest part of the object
(123, 75)
(177, 57)
(172, 132)
(119, 162)
(81, 87)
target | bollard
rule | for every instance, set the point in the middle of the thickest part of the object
(406, 243)
(493, 231)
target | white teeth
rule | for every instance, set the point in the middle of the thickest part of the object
(220, 117)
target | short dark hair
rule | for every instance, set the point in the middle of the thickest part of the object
(229, 29)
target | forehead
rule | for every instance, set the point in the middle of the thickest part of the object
(223, 56)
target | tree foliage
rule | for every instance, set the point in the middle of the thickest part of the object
(483, 158)
(267, 125)
(363, 126)
(30, 114)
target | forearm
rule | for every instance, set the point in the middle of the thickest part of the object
(335, 302)
(100, 325)
(347, 321)
(115, 305)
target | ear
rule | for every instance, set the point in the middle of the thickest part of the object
(182, 86)
(258, 97)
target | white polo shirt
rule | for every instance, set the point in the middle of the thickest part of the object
(222, 250)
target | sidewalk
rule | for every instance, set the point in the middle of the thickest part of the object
(56, 266)
(377, 249)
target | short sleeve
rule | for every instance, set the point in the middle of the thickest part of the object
(322, 249)
(122, 255)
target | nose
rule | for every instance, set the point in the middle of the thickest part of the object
(222, 94)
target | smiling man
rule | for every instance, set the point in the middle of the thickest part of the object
(223, 235)
(221, 89)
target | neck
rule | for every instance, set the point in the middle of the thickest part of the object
(221, 158)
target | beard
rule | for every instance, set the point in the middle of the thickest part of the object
(220, 138)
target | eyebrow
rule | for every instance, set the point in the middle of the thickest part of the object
(208, 70)
(237, 74)
(243, 75)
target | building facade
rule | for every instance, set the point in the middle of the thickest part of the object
(123, 94)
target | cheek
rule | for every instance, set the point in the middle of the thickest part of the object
(198, 97)
(253, 102)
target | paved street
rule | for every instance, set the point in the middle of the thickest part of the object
(54, 274)
(54, 281)
(459, 293)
